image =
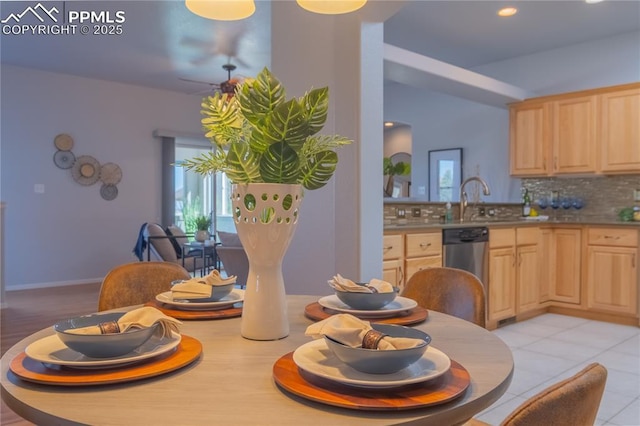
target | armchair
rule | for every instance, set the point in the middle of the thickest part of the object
(233, 257)
(161, 247)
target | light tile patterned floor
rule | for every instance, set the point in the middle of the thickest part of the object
(552, 347)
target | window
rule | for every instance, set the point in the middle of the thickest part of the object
(445, 174)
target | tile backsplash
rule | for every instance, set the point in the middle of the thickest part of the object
(603, 197)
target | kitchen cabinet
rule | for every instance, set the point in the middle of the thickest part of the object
(514, 278)
(588, 132)
(545, 273)
(423, 250)
(529, 138)
(527, 269)
(392, 259)
(501, 297)
(620, 131)
(612, 270)
(565, 264)
(574, 135)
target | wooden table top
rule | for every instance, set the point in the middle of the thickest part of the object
(232, 383)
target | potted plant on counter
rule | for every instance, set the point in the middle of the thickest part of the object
(270, 149)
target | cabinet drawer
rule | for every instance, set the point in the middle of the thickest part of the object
(527, 236)
(612, 237)
(414, 265)
(392, 247)
(502, 237)
(428, 244)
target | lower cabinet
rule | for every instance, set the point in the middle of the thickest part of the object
(514, 272)
(565, 265)
(392, 259)
(612, 270)
(423, 250)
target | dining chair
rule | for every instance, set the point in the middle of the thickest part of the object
(138, 282)
(233, 257)
(573, 401)
(449, 290)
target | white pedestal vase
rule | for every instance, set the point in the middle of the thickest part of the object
(266, 216)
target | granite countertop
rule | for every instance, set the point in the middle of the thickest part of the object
(520, 222)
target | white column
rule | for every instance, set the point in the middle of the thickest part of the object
(3, 302)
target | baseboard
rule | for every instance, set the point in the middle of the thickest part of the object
(53, 284)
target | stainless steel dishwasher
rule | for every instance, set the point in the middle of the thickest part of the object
(466, 248)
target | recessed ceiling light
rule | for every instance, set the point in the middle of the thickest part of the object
(592, 1)
(388, 124)
(507, 11)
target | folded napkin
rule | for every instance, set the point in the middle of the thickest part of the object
(138, 318)
(354, 332)
(200, 288)
(340, 283)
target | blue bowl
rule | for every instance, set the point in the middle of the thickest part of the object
(375, 361)
(101, 345)
(366, 301)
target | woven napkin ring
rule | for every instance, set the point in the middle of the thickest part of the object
(371, 339)
(372, 289)
(109, 327)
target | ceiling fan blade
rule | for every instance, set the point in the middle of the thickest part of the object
(199, 81)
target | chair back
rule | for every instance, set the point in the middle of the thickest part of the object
(233, 257)
(449, 290)
(574, 401)
(137, 283)
(159, 242)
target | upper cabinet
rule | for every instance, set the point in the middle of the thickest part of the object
(620, 131)
(529, 134)
(590, 132)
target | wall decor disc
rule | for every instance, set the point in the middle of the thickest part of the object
(108, 192)
(63, 142)
(86, 170)
(64, 159)
(110, 173)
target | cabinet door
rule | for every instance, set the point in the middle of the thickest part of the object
(574, 135)
(502, 284)
(392, 272)
(612, 279)
(528, 277)
(528, 139)
(566, 266)
(546, 257)
(620, 131)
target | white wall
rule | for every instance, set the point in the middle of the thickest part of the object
(69, 233)
(440, 121)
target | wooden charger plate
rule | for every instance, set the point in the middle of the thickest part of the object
(31, 370)
(231, 312)
(316, 311)
(443, 389)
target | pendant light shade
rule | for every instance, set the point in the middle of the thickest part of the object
(331, 7)
(222, 10)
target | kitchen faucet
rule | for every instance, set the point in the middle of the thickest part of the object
(463, 195)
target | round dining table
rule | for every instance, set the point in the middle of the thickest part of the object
(232, 382)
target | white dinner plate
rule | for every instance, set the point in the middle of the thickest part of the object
(236, 295)
(316, 358)
(399, 304)
(51, 350)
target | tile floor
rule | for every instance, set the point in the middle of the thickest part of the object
(552, 347)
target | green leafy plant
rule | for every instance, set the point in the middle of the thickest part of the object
(260, 136)
(400, 168)
(203, 223)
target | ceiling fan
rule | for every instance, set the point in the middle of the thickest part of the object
(228, 86)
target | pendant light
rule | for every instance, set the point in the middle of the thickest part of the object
(222, 10)
(331, 7)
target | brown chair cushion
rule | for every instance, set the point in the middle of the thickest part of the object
(449, 290)
(137, 283)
